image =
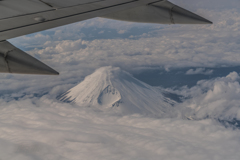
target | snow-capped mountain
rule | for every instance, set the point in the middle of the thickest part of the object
(111, 88)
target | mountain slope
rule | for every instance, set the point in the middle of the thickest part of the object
(110, 87)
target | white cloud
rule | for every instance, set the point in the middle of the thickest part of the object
(199, 71)
(46, 129)
(217, 98)
(121, 32)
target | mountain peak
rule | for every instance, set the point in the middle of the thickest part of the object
(112, 88)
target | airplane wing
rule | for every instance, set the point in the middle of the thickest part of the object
(21, 17)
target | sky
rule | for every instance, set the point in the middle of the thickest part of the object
(35, 125)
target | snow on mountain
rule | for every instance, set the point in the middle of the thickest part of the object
(110, 88)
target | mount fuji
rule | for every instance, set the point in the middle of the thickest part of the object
(110, 88)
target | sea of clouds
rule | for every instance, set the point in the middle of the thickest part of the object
(35, 125)
(41, 128)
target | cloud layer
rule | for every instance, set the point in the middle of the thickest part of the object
(216, 98)
(46, 129)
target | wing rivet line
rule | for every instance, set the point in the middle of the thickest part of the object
(48, 4)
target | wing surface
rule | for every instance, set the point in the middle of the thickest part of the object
(20, 17)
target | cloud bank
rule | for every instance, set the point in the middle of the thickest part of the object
(46, 129)
(43, 128)
(199, 71)
(216, 98)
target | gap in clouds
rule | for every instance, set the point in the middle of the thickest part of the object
(177, 77)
